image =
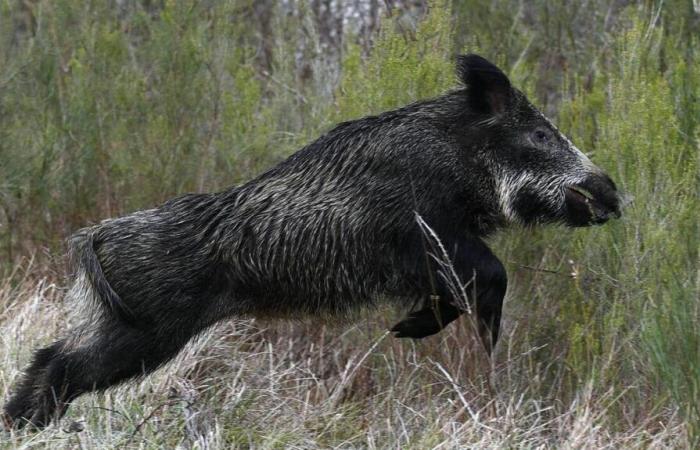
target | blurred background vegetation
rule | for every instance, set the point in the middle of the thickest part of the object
(109, 106)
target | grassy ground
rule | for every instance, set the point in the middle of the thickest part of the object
(105, 110)
(251, 385)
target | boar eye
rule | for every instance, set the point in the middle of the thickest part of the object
(540, 136)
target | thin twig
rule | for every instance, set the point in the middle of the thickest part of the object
(113, 411)
(146, 419)
(537, 269)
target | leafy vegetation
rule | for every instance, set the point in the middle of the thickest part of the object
(108, 107)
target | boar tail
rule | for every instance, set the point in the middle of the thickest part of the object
(90, 279)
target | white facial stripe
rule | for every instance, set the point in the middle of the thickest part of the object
(548, 189)
(508, 186)
(585, 160)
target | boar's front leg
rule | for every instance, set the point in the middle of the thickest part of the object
(471, 259)
(435, 315)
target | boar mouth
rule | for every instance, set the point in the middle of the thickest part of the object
(585, 208)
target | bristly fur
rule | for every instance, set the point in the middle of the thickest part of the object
(330, 230)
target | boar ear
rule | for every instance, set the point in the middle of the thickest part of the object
(488, 88)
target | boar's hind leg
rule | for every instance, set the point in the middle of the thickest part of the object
(24, 402)
(472, 258)
(87, 361)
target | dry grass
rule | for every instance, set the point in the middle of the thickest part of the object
(279, 385)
